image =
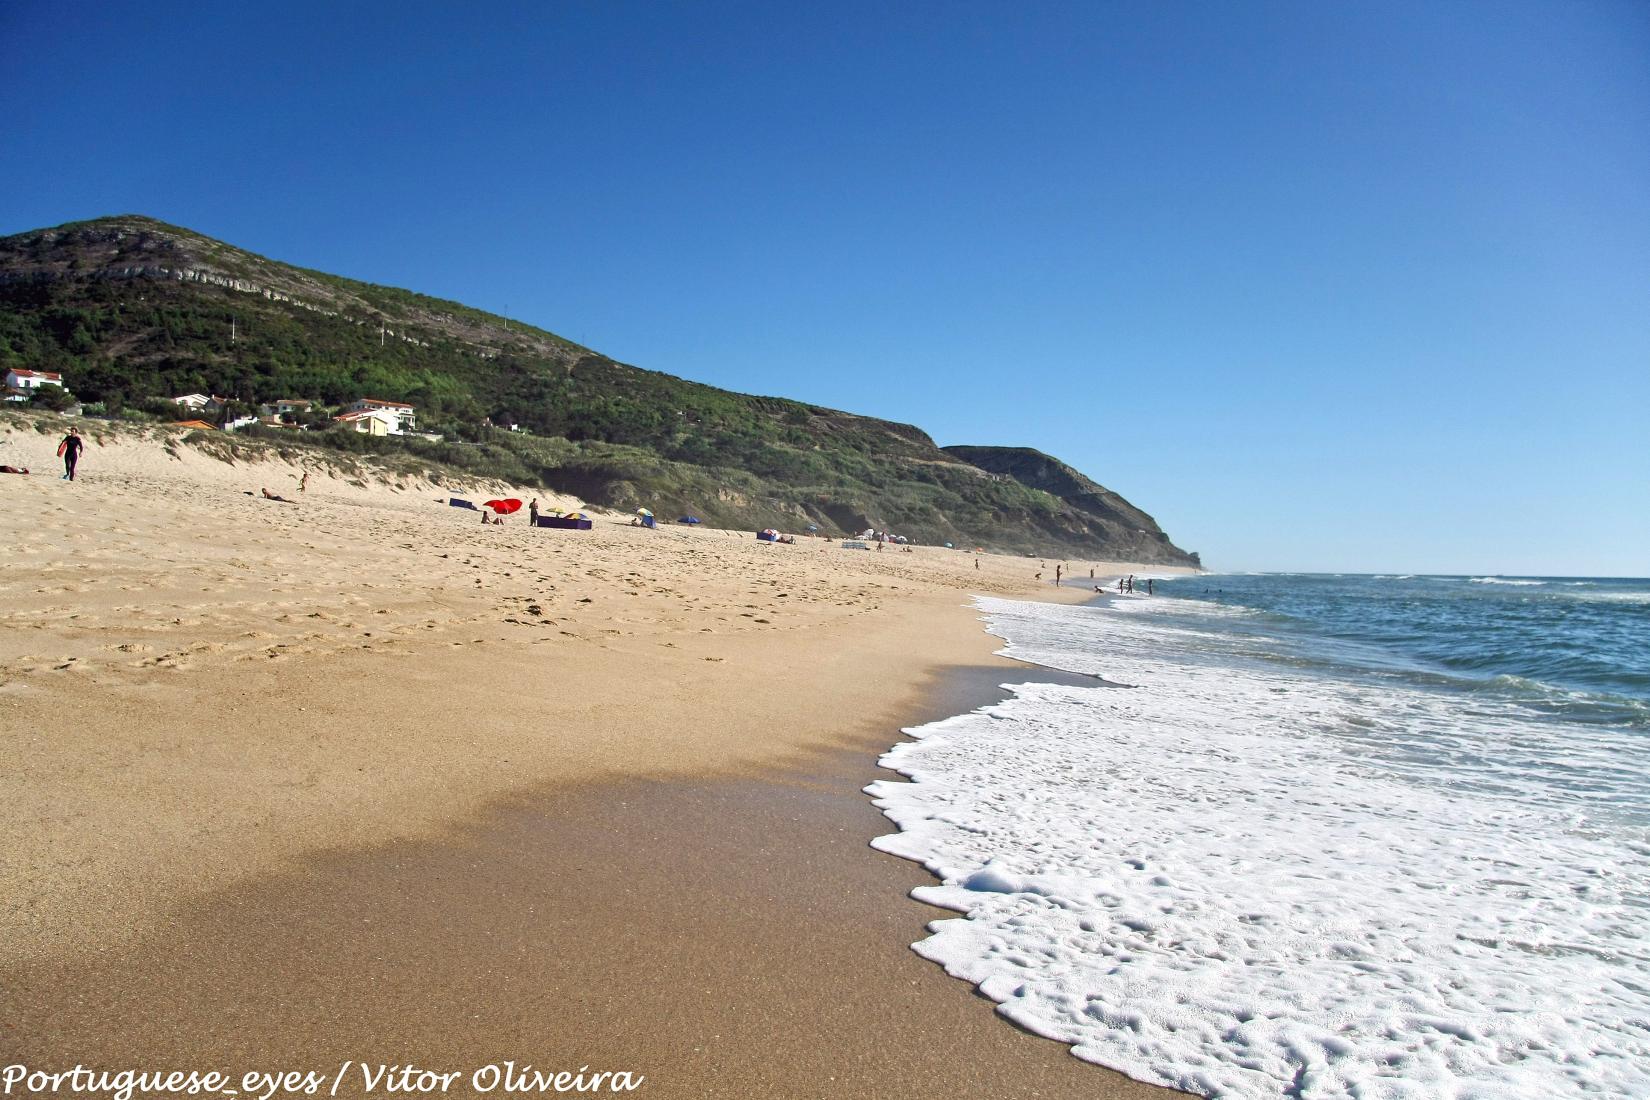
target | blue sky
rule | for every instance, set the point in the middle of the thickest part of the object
(1321, 286)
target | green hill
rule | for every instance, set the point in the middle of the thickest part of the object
(130, 309)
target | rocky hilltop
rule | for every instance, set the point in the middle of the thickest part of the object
(131, 311)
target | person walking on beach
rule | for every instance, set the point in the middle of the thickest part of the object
(1058, 569)
(69, 450)
(976, 565)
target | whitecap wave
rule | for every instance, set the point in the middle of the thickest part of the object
(1246, 882)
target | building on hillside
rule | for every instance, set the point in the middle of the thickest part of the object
(405, 415)
(371, 421)
(287, 406)
(199, 401)
(21, 384)
(198, 425)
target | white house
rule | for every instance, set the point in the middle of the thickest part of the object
(405, 415)
(286, 406)
(21, 384)
(197, 401)
(371, 421)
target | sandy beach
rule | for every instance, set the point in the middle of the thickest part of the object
(357, 778)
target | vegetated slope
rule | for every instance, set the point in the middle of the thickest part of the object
(1091, 512)
(130, 309)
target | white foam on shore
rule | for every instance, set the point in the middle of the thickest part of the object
(1244, 881)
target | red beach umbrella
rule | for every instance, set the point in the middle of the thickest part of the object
(504, 507)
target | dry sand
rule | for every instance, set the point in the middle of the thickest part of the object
(359, 778)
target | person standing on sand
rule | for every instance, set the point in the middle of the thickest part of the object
(1058, 569)
(976, 565)
(69, 450)
(533, 512)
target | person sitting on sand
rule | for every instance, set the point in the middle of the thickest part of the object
(276, 496)
(14, 469)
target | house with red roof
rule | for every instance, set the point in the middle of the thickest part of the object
(406, 417)
(21, 384)
(370, 421)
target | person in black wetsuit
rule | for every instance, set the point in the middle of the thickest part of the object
(70, 450)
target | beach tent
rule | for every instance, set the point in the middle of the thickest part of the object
(689, 519)
(813, 526)
(572, 521)
(645, 516)
(768, 534)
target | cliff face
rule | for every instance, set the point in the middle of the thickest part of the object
(1089, 507)
(132, 311)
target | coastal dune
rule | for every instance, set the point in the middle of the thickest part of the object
(356, 777)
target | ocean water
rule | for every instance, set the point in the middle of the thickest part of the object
(1309, 836)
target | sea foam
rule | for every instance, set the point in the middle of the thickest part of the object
(1246, 881)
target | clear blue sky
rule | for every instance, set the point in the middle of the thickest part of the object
(1322, 286)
